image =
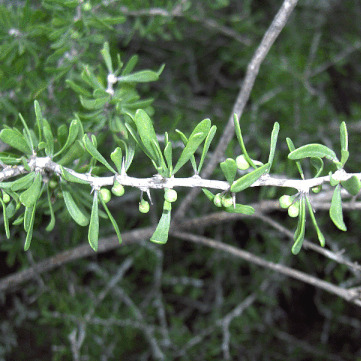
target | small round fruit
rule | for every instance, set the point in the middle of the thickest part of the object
(6, 197)
(105, 195)
(143, 206)
(227, 201)
(317, 189)
(170, 195)
(242, 163)
(294, 210)
(87, 6)
(285, 201)
(53, 183)
(118, 189)
(217, 200)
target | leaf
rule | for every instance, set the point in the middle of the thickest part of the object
(313, 150)
(160, 235)
(65, 174)
(74, 152)
(48, 135)
(336, 209)
(343, 137)
(237, 129)
(75, 212)
(95, 154)
(300, 230)
(74, 129)
(116, 156)
(248, 179)
(229, 169)
(132, 62)
(209, 194)
(15, 140)
(291, 147)
(115, 226)
(274, 137)
(320, 235)
(240, 208)
(318, 164)
(27, 132)
(352, 185)
(168, 156)
(106, 56)
(39, 118)
(30, 227)
(207, 143)
(344, 156)
(77, 88)
(185, 141)
(93, 233)
(143, 76)
(199, 133)
(6, 220)
(23, 182)
(29, 197)
(92, 104)
(51, 224)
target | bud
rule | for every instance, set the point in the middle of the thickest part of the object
(317, 189)
(118, 189)
(227, 201)
(6, 197)
(285, 201)
(87, 6)
(105, 195)
(170, 195)
(242, 163)
(217, 200)
(143, 206)
(294, 209)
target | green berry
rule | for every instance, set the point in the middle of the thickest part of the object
(217, 200)
(285, 201)
(242, 163)
(118, 189)
(53, 184)
(170, 195)
(317, 189)
(105, 195)
(227, 201)
(6, 197)
(143, 206)
(87, 6)
(294, 209)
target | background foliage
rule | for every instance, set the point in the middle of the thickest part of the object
(183, 300)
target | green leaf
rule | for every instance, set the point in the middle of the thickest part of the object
(185, 141)
(93, 233)
(74, 130)
(39, 118)
(248, 179)
(143, 76)
(51, 224)
(199, 133)
(65, 174)
(29, 197)
(6, 220)
(336, 209)
(78, 89)
(318, 164)
(313, 150)
(30, 227)
(206, 146)
(343, 137)
(320, 235)
(23, 182)
(92, 104)
(168, 156)
(95, 154)
(116, 156)
(106, 56)
(27, 133)
(300, 230)
(132, 62)
(333, 182)
(48, 135)
(352, 185)
(160, 235)
(240, 208)
(79, 216)
(291, 147)
(229, 169)
(115, 226)
(344, 156)
(209, 194)
(274, 137)
(74, 152)
(237, 129)
(15, 140)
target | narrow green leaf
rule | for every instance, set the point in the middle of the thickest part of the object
(106, 56)
(240, 208)
(206, 146)
(92, 104)
(343, 137)
(209, 194)
(24, 161)
(78, 214)
(48, 135)
(320, 235)
(344, 156)
(248, 179)
(116, 156)
(115, 226)
(291, 147)
(313, 150)
(229, 169)
(23, 182)
(66, 175)
(160, 235)
(143, 76)
(318, 164)
(132, 62)
(95, 154)
(168, 157)
(74, 152)
(274, 137)
(29, 197)
(27, 132)
(27, 217)
(6, 220)
(29, 234)
(352, 185)
(15, 140)
(93, 233)
(237, 129)
(39, 118)
(78, 89)
(129, 147)
(333, 182)
(300, 230)
(336, 209)
(184, 139)
(74, 129)
(51, 224)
